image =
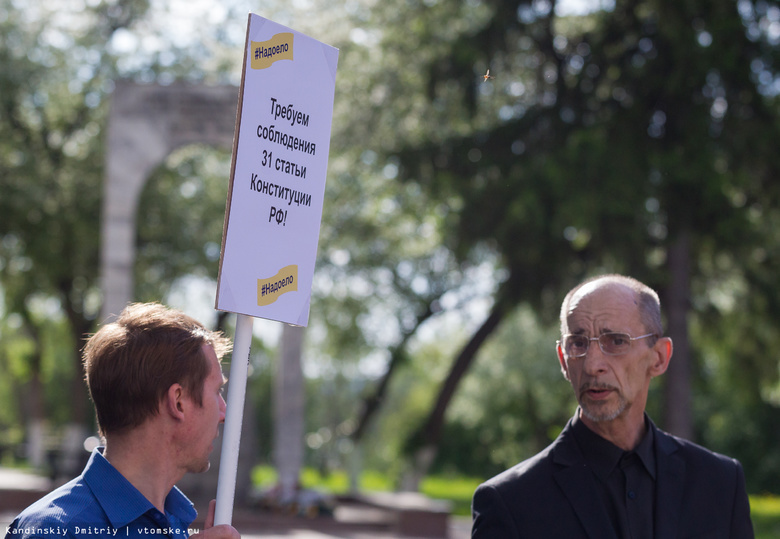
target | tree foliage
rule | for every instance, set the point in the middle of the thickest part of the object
(50, 174)
(59, 64)
(636, 139)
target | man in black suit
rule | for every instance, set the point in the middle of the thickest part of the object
(612, 473)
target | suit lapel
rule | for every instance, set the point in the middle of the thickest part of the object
(577, 483)
(670, 475)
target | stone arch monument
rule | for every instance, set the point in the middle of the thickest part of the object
(146, 123)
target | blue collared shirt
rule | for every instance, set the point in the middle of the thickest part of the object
(102, 503)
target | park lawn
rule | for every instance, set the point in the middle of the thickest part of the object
(764, 509)
(456, 490)
(765, 513)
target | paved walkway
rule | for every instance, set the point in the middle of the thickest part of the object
(12, 479)
(18, 489)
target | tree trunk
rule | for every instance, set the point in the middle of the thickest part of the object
(72, 451)
(289, 401)
(677, 389)
(34, 401)
(426, 439)
(36, 423)
(80, 326)
(373, 402)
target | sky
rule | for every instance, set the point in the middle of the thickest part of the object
(582, 7)
(181, 17)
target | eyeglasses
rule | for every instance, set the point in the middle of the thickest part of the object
(612, 344)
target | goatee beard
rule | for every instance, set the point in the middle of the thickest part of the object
(593, 410)
(600, 417)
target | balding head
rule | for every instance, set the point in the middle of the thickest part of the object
(644, 297)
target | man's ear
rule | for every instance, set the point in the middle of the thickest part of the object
(562, 361)
(174, 401)
(662, 354)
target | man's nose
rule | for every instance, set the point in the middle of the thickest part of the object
(595, 361)
(222, 409)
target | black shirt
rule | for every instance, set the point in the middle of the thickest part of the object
(625, 480)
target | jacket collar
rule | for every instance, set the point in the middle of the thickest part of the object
(669, 485)
(578, 485)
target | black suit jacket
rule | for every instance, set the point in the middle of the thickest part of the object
(699, 494)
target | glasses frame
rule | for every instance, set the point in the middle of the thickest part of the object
(601, 346)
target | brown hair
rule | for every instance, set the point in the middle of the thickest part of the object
(130, 363)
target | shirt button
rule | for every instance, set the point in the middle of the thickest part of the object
(631, 494)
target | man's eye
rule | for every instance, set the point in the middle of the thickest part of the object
(618, 340)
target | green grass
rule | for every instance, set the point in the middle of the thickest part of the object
(457, 490)
(765, 513)
(336, 482)
(764, 509)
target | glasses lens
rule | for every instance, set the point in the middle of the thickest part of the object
(615, 343)
(575, 345)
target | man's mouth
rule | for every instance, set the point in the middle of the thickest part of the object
(598, 392)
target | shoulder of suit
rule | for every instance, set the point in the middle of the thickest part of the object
(539, 465)
(526, 470)
(693, 452)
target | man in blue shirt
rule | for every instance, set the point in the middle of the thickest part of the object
(155, 379)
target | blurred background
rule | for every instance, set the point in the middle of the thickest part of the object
(636, 136)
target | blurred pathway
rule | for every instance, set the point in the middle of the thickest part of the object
(12, 479)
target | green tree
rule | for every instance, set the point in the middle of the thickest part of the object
(181, 211)
(50, 174)
(59, 64)
(634, 139)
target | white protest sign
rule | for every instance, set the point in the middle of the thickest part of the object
(277, 183)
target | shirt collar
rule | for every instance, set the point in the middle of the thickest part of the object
(121, 501)
(603, 455)
(645, 450)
